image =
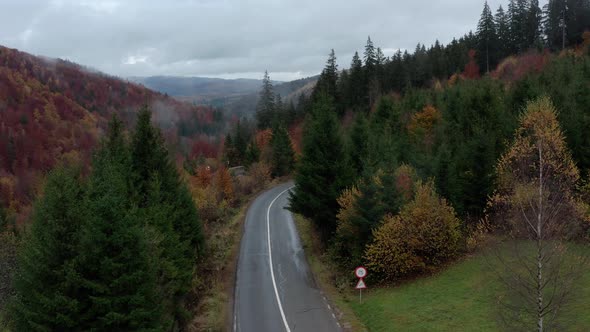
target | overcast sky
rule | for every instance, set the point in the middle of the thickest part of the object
(227, 38)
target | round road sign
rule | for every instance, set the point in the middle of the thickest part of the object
(360, 272)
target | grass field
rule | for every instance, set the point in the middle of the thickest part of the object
(462, 297)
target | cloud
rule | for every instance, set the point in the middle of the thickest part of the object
(227, 38)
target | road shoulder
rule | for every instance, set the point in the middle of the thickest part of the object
(322, 270)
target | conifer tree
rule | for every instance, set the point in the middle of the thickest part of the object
(149, 157)
(356, 85)
(322, 172)
(283, 157)
(555, 15)
(487, 39)
(280, 116)
(503, 32)
(265, 109)
(118, 283)
(533, 24)
(370, 58)
(327, 82)
(252, 153)
(47, 296)
(358, 148)
(168, 213)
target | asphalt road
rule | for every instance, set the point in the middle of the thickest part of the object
(274, 288)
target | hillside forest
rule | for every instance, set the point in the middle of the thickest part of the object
(115, 200)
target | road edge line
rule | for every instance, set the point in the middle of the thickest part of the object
(272, 274)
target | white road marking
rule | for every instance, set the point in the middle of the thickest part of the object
(272, 274)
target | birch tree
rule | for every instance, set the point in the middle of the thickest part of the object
(536, 206)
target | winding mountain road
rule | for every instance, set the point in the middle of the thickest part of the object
(274, 289)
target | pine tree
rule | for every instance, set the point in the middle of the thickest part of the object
(283, 157)
(487, 39)
(322, 172)
(47, 294)
(265, 109)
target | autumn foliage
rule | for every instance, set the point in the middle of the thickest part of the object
(515, 68)
(53, 109)
(423, 236)
(471, 68)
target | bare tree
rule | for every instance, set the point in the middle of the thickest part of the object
(537, 209)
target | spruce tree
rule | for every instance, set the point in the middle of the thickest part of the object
(229, 151)
(283, 157)
(533, 24)
(280, 117)
(487, 39)
(149, 157)
(358, 149)
(252, 153)
(356, 85)
(515, 19)
(503, 32)
(168, 212)
(322, 172)
(47, 295)
(555, 14)
(327, 82)
(370, 58)
(240, 141)
(265, 109)
(118, 283)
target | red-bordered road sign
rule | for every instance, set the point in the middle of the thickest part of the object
(360, 272)
(361, 284)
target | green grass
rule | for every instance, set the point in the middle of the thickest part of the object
(461, 297)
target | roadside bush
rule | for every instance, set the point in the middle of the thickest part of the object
(363, 207)
(260, 172)
(424, 235)
(208, 207)
(244, 186)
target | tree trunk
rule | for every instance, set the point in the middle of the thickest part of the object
(539, 245)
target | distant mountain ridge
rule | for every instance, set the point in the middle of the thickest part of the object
(235, 96)
(179, 86)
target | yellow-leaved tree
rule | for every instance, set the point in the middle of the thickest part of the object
(421, 237)
(536, 208)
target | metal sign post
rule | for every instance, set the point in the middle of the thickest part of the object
(360, 272)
